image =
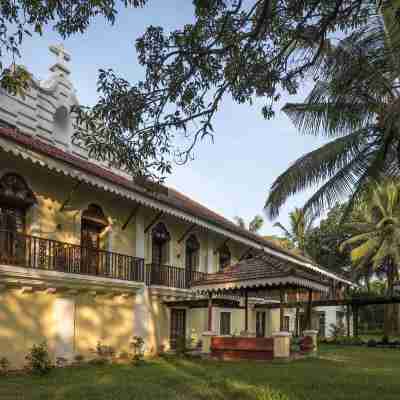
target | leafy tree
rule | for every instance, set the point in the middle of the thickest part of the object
(376, 238)
(376, 227)
(281, 241)
(324, 240)
(243, 49)
(299, 229)
(354, 103)
(254, 225)
(21, 18)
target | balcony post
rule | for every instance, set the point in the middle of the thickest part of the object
(140, 236)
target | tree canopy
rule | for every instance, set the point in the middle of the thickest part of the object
(242, 49)
(354, 103)
(254, 225)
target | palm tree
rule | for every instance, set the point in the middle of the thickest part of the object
(254, 225)
(375, 242)
(376, 226)
(355, 103)
(299, 229)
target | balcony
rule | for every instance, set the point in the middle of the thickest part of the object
(174, 277)
(21, 250)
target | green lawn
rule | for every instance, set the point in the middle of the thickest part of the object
(338, 373)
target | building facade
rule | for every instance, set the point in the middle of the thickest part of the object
(87, 255)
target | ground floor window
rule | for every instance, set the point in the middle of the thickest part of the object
(225, 323)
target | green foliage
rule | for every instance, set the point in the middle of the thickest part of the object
(138, 346)
(254, 225)
(385, 339)
(103, 351)
(79, 358)
(124, 355)
(22, 18)
(99, 361)
(299, 229)
(4, 365)
(324, 240)
(38, 359)
(337, 330)
(352, 105)
(61, 362)
(242, 49)
(337, 373)
(375, 242)
(183, 345)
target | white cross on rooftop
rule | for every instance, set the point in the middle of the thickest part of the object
(61, 53)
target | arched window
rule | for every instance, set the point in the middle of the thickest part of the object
(192, 253)
(93, 222)
(160, 240)
(15, 198)
(224, 257)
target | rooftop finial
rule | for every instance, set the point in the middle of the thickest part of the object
(62, 57)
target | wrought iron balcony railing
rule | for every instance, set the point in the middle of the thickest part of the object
(167, 275)
(35, 252)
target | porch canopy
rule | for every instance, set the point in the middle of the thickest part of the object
(263, 276)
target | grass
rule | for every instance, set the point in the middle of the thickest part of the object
(337, 374)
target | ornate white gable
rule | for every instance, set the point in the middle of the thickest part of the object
(45, 110)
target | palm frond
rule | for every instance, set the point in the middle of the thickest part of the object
(317, 167)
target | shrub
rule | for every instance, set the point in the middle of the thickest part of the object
(295, 345)
(137, 345)
(385, 340)
(79, 358)
(99, 361)
(183, 345)
(337, 330)
(4, 365)
(124, 355)
(103, 351)
(38, 359)
(61, 362)
(372, 343)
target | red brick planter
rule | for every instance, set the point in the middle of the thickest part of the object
(250, 348)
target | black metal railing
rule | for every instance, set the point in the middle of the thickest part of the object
(167, 275)
(35, 252)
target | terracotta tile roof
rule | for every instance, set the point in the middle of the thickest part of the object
(173, 198)
(262, 266)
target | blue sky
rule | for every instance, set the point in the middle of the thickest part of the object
(231, 176)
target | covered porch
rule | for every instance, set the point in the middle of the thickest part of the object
(261, 280)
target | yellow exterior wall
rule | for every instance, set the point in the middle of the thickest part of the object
(198, 318)
(25, 319)
(46, 220)
(106, 320)
(28, 318)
